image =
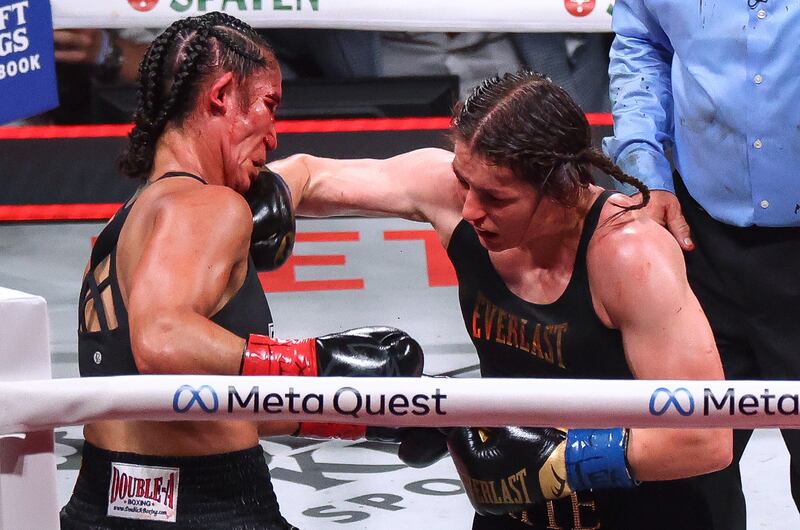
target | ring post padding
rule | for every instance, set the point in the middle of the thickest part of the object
(28, 495)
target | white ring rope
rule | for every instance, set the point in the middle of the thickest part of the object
(27, 406)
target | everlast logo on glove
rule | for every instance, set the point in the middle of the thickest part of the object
(508, 490)
(143, 492)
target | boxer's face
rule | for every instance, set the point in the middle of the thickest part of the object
(252, 129)
(497, 203)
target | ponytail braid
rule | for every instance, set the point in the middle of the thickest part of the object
(602, 162)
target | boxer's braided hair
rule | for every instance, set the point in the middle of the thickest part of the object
(173, 70)
(527, 123)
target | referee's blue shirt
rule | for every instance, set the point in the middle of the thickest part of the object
(717, 82)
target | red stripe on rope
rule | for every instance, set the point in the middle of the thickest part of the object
(600, 118)
(58, 212)
(362, 124)
(45, 132)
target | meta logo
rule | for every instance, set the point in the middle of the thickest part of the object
(663, 399)
(205, 397)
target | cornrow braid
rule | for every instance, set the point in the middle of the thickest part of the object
(195, 48)
(173, 69)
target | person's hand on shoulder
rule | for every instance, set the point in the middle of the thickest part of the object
(665, 209)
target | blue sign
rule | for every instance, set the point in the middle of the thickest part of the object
(27, 67)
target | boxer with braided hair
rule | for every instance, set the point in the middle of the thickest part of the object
(557, 278)
(171, 288)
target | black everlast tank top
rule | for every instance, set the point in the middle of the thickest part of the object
(564, 339)
(107, 351)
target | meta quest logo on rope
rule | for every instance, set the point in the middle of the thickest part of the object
(27, 67)
(347, 401)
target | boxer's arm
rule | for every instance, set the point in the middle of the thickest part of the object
(418, 185)
(197, 240)
(638, 276)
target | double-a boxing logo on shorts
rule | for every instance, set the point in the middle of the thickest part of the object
(187, 397)
(143, 492)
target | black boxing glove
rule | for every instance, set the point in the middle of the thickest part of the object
(510, 469)
(273, 220)
(422, 446)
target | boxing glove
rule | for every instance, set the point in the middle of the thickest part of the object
(510, 469)
(361, 352)
(422, 446)
(273, 234)
(371, 351)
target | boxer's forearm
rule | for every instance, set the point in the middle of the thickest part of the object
(667, 454)
(185, 343)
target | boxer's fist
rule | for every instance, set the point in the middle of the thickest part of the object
(361, 352)
(511, 468)
(273, 220)
(422, 446)
(370, 351)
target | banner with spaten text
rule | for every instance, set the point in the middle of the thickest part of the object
(27, 66)
(387, 15)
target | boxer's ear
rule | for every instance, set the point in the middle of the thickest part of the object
(221, 94)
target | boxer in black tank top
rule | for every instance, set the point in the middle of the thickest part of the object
(171, 287)
(516, 207)
(564, 339)
(239, 482)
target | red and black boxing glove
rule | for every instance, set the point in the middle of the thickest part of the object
(361, 352)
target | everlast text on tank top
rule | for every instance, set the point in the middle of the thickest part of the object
(516, 338)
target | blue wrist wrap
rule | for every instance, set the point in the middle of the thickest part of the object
(595, 459)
